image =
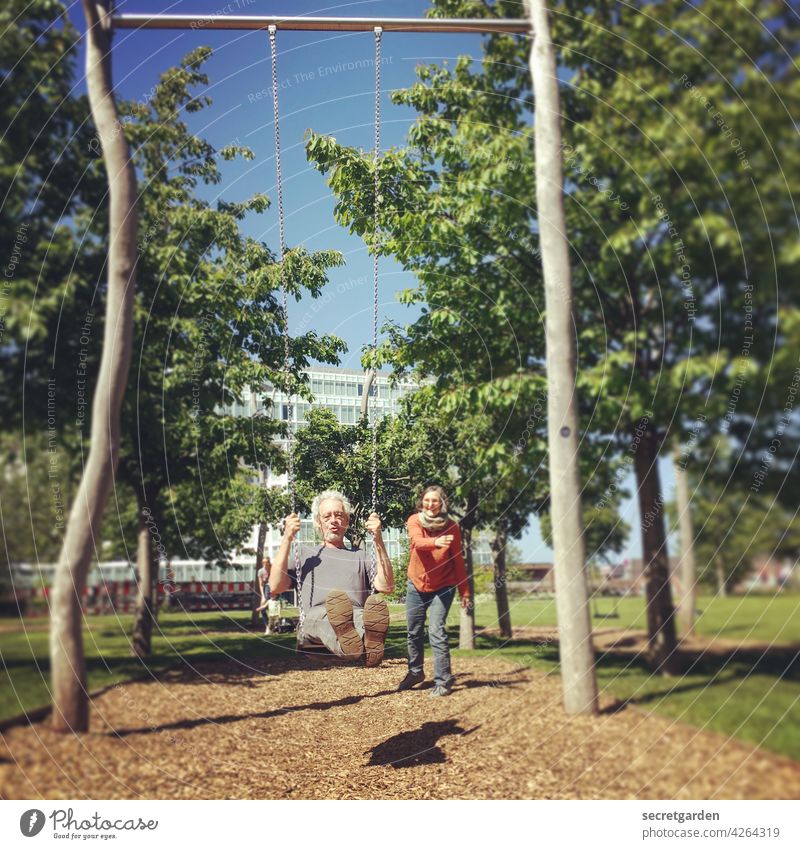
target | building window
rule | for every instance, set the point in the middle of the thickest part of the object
(285, 412)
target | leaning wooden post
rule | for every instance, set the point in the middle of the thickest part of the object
(686, 569)
(572, 604)
(70, 700)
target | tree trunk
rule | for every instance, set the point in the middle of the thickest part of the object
(369, 377)
(686, 569)
(466, 624)
(70, 701)
(145, 581)
(262, 536)
(501, 584)
(719, 571)
(662, 643)
(574, 623)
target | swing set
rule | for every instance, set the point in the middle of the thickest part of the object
(271, 24)
(580, 693)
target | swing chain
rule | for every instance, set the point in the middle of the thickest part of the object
(375, 237)
(282, 255)
(285, 307)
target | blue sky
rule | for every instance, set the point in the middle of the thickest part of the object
(326, 84)
(321, 88)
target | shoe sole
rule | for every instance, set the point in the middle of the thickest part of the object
(340, 615)
(410, 686)
(376, 626)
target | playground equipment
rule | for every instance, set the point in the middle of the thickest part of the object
(577, 659)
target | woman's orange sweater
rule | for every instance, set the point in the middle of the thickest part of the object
(431, 568)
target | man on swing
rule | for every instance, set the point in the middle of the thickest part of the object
(339, 611)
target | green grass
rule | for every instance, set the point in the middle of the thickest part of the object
(754, 698)
(762, 618)
(180, 641)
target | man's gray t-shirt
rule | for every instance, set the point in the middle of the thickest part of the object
(324, 568)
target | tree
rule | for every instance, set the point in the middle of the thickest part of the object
(477, 262)
(635, 313)
(329, 455)
(491, 482)
(400, 570)
(687, 569)
(730, 533)
(43, 181)
(208, 328)
(668, 227)
(204, 340)
(418, 225)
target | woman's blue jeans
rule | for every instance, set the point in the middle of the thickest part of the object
(417, 606)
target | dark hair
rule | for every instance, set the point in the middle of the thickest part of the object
(440, 492)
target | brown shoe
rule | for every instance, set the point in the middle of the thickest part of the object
(376, 624)
(340, 615)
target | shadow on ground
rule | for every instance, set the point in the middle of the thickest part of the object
(705, 665)
(415, 748)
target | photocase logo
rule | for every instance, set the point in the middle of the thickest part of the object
(31, 822)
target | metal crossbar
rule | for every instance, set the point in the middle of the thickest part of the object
(263, 22)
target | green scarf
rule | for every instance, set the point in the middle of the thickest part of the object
(434, 523)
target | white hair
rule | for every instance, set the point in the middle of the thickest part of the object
(333, 495)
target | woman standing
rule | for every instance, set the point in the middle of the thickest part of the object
(435, 571)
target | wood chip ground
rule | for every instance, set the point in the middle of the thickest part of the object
(316, 728)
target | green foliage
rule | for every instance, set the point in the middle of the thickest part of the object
(329, 455)
(207, 323)
(37, 486)
(679, 148)
(605, 531)
(483, 579)
(456, 212)
(400, 570)
(731, 530)
(45, 179)
(681, 168)
(209, 327)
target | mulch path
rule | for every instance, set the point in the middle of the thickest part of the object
(316, 728)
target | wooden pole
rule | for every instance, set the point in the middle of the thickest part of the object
(572, 603)
(68, 667)
(686, 569)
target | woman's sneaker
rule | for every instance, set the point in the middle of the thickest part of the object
(376, 625)
(443, 689)
(340, 615)
(411, 680)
